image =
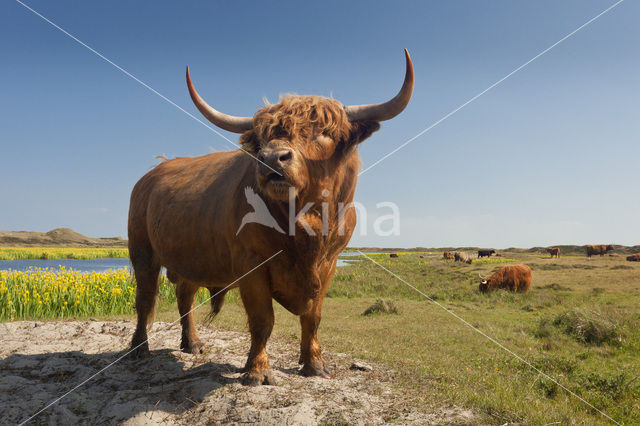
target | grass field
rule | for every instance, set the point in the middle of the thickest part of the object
(580, 323)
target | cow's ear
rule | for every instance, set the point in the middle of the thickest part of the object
(361, 130)
(249, 142)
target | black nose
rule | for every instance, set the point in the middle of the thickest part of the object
(280, 157)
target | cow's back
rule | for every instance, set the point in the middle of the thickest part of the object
(517, 277)
(523, 274)
(188, 210)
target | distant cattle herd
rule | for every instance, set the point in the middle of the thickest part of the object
(517, 278)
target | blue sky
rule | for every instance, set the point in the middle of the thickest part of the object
(550, 156)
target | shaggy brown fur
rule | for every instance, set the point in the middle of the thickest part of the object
(299, 117)
(554, 251)
(185, 214)
(447, 255)
(600, 249)
(460, 256)
(634, 257)
(509, 277)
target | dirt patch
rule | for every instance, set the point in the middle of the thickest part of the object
(41, 361)
(60, 237)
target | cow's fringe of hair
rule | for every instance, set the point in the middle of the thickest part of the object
(152, 315)
(298, 117)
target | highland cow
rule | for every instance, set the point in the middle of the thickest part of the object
(554, 251)
(515, 278)
(485, 253)
(187, 214)
(600, 249)
(461, 256)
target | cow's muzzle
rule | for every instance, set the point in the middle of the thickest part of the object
(277, 159)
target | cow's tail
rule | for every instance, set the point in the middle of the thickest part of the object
(217, 300)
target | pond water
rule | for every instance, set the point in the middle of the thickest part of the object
(92, 265)
(88, 265)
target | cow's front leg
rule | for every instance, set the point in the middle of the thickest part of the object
(256, 298)
(310, 352)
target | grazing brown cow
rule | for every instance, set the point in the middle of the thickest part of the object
(634, 257)
(554, 251)
(509, 277)
(447, 255)
(214, 220)
(461, 256)
(600, 249)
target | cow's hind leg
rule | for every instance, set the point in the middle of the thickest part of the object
(186, 295)
(256, 298)
(146, 270)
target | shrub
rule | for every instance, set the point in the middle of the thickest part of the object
(381, 307)
(588, 327)
(613, 385)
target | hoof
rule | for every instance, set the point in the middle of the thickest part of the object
(138, 351)
(255, 378)
(194, 347)
(309, 370)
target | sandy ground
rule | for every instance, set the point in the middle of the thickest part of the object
(41, 361)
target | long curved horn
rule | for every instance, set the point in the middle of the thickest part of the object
(386, 110)
(222, 120)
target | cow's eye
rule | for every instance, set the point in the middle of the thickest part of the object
(279, 132)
